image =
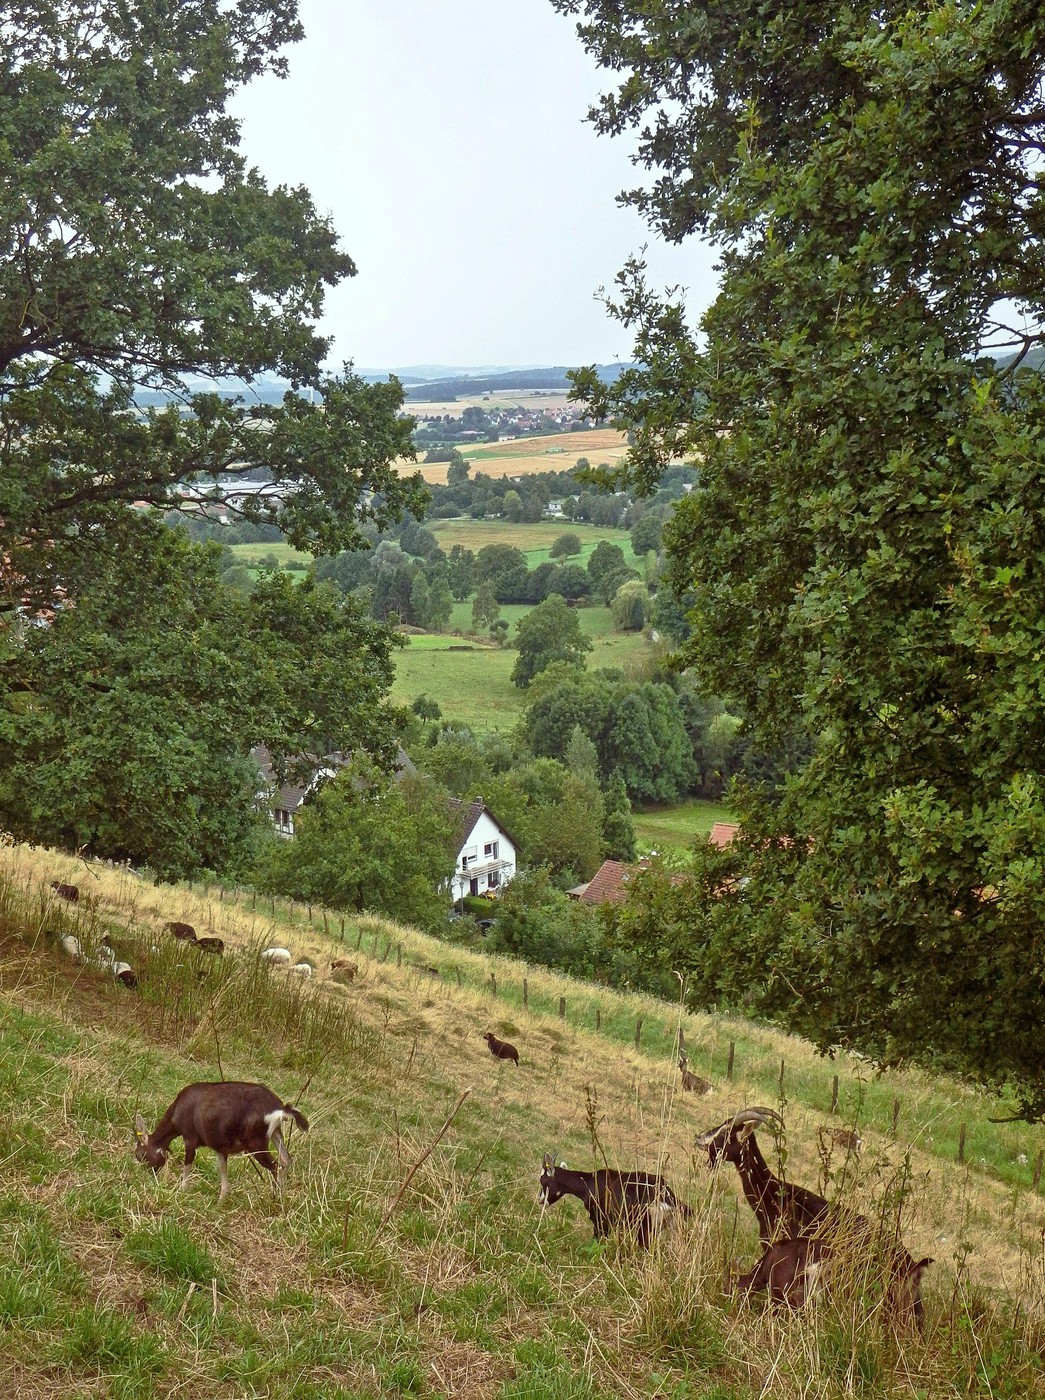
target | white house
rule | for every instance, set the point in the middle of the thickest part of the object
(486, 854)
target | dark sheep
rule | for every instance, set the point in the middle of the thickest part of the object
(500, 1049)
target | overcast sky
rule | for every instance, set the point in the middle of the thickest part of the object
(447, 140)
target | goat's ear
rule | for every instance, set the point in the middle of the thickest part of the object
(141, 1132)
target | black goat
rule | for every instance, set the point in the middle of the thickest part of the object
(180, 930)
(501, 1049)
(211, 945)
(635, 1202)
(69, 892)
(229, 1117)
(787, 1213)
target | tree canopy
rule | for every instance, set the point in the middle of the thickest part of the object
(863, 550)
(551, 632)
(141, 265)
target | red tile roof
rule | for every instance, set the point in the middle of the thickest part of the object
(609, 884)
(723, 833)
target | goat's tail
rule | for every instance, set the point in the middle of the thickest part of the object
(298, 1117)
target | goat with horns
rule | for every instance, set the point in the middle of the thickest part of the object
(794, 1215)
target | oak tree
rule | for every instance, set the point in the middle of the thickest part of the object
(864, 549)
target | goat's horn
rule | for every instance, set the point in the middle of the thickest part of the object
(548, 1163)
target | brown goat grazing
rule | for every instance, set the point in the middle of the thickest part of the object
(180, 930)
(500, 1048)
(228, 1117)
(693, 1083)
(346, 968)
(211, 945)
(634, 1202)
(69, 892)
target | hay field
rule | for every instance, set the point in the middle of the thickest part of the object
(556, 452)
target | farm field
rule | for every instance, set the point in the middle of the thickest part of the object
(676, 828)
(285, 554)
(474, 685)
(534, 540)
(555, 452)
(407, 1255)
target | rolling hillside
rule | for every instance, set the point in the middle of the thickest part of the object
(369, 1278)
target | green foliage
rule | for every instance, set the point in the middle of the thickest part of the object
(631, 606)
(863, 546)
(538, 923)
(565, 545)
(485, 607)
(364, 842)
(551, 632)
(141, 250)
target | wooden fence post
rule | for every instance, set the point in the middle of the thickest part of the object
(896, 1117)
(526, 993)
(458, 971)
(562, 1008)
(781, 1079)
(961, 1143)
(399, 955)
(598, 1018)
(359, 938)
(326, 926)
(729, 1062)
(310, 913)
(638, 1033)
(834, 1094)
(493, 985)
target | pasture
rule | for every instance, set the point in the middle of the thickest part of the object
(406, 1255)
(534, 540)
(676, 828)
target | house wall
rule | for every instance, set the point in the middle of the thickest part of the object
(478, 869)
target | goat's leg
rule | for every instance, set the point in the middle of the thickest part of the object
(223, 1172)
(190, 1157)
(265, 1159)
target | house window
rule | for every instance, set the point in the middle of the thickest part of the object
(283, 819)
(490, 850)
(494, 879)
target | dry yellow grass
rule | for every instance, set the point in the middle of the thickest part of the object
(556, 452)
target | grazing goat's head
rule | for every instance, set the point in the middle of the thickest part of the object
(726, 1142)
(551, 1189)
(145, 1153)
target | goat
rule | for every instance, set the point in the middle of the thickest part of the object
(69, 892)
(693, 1082)
(180, 930)
(636, 1202)
(786, 1212)
(846, 1138)
(229, 1117)
(783, 1211)
(302, 969)
(346, 968)
(793, 1271)
(211, 945)
(275, 955)
(500, 1049)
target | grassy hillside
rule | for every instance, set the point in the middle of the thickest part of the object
(349, 1285)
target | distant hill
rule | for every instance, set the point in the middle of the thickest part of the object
(436, 390)
(434, 383)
